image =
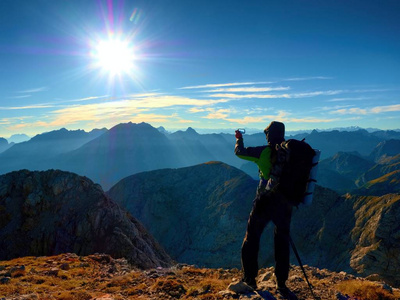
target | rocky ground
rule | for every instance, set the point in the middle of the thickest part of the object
(99, 276)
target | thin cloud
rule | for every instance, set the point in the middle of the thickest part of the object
(20, 97)
(223, 85)
(348, 99)
(249, 96)
(168, 101)
(367, 111)
(84, 99)
(35, 90)
(307, 78)
(37, 106)
(310, 120)
(317, 93)
(249, 90)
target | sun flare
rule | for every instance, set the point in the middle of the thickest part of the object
(114, 56)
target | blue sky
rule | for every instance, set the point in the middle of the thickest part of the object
(204, 64)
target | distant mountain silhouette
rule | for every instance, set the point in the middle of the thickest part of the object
(52, 212)
(342, 141)
(384, 149)
(38, 153)
(4, 145)
(199, 215)
(387, 134)
(341, 171)
(123, 150)
(18, 138)
(107, 156)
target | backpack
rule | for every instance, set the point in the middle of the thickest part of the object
(294, 160)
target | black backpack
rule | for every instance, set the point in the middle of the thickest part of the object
(294, 161)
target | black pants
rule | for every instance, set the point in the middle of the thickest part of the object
(269, 206)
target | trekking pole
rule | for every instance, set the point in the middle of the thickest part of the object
(302, 268)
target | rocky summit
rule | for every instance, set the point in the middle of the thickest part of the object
(51, 212)
(101, 277)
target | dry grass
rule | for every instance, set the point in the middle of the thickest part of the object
(70, 277)
(366, 290)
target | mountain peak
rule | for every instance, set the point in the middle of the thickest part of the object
(190, 130)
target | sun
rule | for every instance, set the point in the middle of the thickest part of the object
(114, 56)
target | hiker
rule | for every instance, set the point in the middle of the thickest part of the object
(268, 205)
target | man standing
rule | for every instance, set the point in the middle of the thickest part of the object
(268, 205)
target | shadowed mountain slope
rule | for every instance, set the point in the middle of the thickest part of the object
(51, 212)
(385, 149)
(199, 215)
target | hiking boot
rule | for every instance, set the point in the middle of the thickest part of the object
(285, 293)
(251, 283)
(241, 287)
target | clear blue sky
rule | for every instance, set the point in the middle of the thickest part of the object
(204, 64)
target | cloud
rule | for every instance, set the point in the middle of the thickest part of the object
(20, 97)
(26, 107)
(387, 108)
(217, 114)
(169, 100)
(367, 111)
(307, 78)
(249, 96)
(310, 120)
(84, 99)
(223, 85)
(348, 99)
(35, 90)
(249, 89)
(277, 96)
(121, 109)
(316, 93)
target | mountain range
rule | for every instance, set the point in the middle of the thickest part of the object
(107, 156)
(197, 214)
(375, 174)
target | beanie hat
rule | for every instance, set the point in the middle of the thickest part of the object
(275, 132)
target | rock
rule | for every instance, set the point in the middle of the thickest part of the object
(374, 277)
(53, 272)
(240, 287)
(5, 280)
(55, 212)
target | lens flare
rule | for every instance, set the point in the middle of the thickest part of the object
(136, 16)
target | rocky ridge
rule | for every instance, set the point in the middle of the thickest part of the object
(52, 212)
(101, 277)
